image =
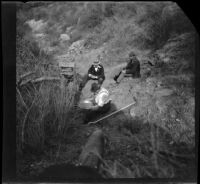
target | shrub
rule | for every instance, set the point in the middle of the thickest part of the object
(47, 117)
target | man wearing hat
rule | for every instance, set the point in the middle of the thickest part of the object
(96, 71)
(132, 69)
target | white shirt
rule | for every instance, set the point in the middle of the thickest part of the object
(102, 97)
(96, 69)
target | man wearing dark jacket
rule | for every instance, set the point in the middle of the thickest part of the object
(132, 69)
(95, 72)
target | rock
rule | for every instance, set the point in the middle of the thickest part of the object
(166, 60)
(64, 37)
(76, 48)
(132, 113)
(40, 35)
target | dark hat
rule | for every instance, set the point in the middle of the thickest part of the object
(96, 62)
(95, 87)
(131, 54)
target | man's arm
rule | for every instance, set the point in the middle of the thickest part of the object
(90, 72)
(101, 72)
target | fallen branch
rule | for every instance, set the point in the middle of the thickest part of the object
(41, 79)
(24, 76)
(21, 98)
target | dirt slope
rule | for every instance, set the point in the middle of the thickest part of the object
(158, 103)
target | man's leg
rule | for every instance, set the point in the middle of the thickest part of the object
(117, 75)
(100, 80)
(138, 72)
(90, 115)
(84, 82)
(121, 76)
(106, 107)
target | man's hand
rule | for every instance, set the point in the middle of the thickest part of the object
(92, 76)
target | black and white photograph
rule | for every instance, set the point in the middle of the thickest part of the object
(105, 90)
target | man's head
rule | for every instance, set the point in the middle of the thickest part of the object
(95, 87)
(96, 63)
(132, 55)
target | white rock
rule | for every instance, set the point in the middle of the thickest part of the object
(132, 113)
(64, 37)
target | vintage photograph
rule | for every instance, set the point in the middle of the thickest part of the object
(104, 90)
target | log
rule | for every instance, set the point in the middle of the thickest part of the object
(42, 79)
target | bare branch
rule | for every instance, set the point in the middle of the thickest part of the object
(41, 79)
(21, 98)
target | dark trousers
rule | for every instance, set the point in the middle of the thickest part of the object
(94, 115)
(87, 78)
(118, 77)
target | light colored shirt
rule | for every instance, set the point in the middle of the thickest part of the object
(96, 69)
(102, 97)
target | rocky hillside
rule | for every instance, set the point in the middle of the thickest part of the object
(153, 138)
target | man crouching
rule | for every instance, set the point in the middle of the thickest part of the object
(100, 102)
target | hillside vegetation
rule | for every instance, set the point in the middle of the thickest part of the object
(156, 137)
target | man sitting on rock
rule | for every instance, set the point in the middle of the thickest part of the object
(96, 71)
(132, 69)
(99, 103)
